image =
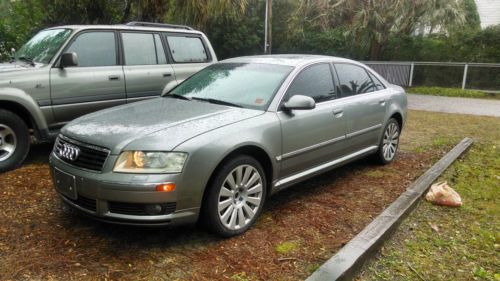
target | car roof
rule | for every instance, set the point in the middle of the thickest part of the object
(294, 60)
(128, 27)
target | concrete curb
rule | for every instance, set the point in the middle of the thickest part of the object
(344, 264)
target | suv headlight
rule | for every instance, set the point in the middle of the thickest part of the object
(153, 162)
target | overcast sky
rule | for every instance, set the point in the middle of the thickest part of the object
(489, 11)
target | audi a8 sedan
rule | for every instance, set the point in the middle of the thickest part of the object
(216, 146)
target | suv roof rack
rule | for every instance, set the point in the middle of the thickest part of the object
(155, 24)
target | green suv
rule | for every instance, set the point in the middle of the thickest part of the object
(68, 71)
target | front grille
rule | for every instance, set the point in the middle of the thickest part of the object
(135, 209)
(84, 202)
(90, 157)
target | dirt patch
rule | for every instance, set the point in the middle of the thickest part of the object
(300, 228)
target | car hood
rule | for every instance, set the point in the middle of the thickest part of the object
(15, 66)
(174, 120)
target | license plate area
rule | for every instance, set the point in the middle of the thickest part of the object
(65, 183)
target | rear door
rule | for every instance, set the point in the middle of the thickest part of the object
(145, 65)
(311, 137)
(364, 103)
(189, 54)
(95, 83)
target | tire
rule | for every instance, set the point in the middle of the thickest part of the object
(389, 142)
(14, 140)
(240, 203)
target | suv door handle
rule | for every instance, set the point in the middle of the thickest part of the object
(338, 113)
(114, 77)
(167, 74)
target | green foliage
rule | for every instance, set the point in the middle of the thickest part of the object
(450, 92)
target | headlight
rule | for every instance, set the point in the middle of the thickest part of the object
(150, 162)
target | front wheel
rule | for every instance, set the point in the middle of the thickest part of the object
(389, 143)
(14, 140)
(236, 196)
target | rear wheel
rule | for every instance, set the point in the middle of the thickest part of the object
(14, 140)
(236, 196)
(389, 144)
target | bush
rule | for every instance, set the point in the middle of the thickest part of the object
(450, 92)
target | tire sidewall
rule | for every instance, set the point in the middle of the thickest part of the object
(23, 140)
(212, 198)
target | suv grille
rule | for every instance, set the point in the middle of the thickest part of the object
(89, 157)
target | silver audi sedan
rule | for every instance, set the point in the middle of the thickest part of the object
(217, 145)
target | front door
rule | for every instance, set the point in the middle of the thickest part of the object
(311, 137)
(97, 81)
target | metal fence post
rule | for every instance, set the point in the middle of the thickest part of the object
(466, 67)
(412, 66)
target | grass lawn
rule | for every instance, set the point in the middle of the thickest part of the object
(452, 92)
(441, 243)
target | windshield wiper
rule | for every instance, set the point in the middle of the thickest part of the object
(216, 101)
(27, 59)
(176, 96)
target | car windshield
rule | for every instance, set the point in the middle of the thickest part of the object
(43, 46)
(248, 85)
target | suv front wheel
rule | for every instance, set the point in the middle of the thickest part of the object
(14, 140)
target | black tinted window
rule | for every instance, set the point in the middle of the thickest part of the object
(187, 49)
(378, 85)
(353, 80)
(315, 82)
(94, 49)
(139, 49)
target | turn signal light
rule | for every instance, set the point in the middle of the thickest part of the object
(165, 187)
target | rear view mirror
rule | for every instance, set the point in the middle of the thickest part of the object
(68, 59)
(300, 102)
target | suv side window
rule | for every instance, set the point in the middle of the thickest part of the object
(142, 49)
(187, 49)
(315, 81)
(95, 48)
(354, 80)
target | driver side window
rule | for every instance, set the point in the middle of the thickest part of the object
(94, 48)
(315, 81)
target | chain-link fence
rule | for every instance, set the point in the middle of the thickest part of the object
(477, 76)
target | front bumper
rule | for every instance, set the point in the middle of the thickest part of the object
(121, 198)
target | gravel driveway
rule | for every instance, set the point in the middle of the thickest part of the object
(454, 105)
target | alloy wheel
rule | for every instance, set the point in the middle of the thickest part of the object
(390, 141)
(8, 142)
(240, 197)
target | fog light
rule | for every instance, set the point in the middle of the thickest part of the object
(153, 209)
(165, 187)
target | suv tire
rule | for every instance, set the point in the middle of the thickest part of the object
(14, 140)
(235, 196)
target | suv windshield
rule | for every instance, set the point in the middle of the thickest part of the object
(248, 85)
(43, 46)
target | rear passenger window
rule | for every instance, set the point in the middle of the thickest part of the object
(353, 80)
(187, 49)
(378, 85)
(315, 82)
(94, 48)
(139, 49)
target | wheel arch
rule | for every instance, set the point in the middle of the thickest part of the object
(20, 103)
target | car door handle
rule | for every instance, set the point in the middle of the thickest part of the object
(381, 102)
(167, 74)
(114, 77)
(338, 113)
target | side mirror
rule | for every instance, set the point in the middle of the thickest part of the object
(68, 59)
(299, 102)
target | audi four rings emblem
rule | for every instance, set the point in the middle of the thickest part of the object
(68, 151)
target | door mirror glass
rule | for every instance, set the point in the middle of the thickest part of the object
(68, 59)
(300, 102)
